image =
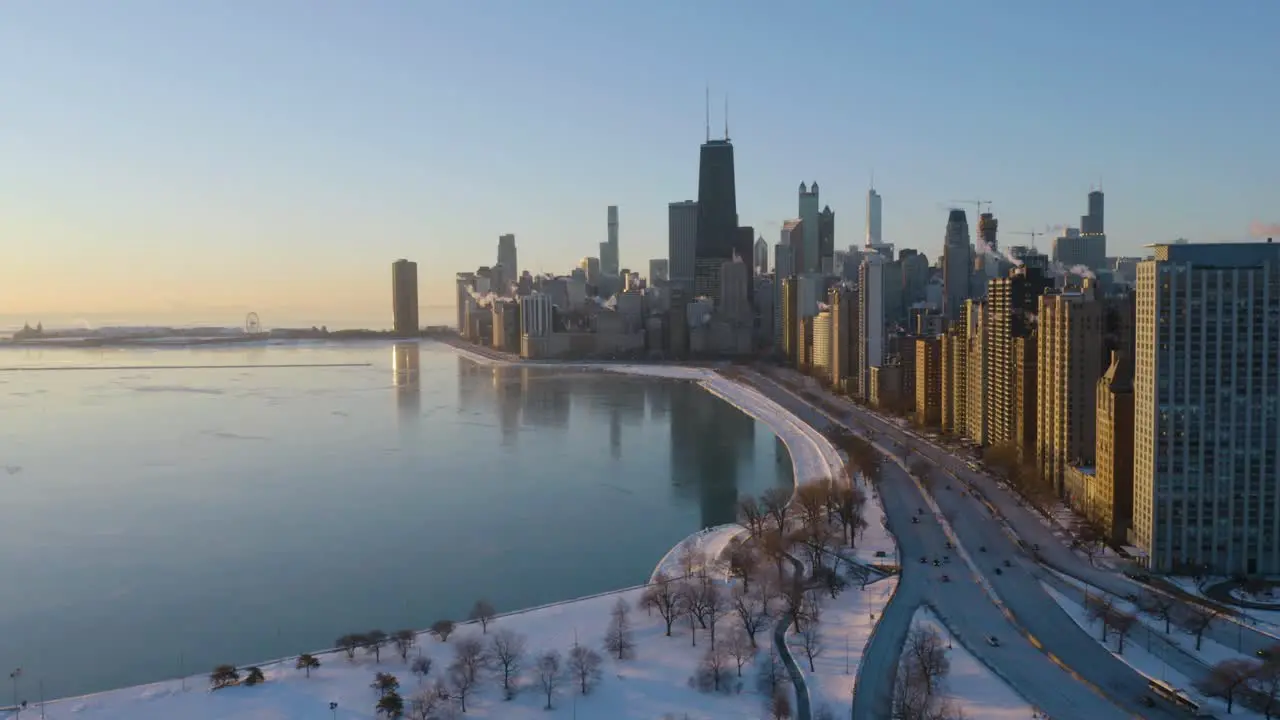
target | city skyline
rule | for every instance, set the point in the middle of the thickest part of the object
(161, 198)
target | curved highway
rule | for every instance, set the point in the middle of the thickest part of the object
(1028, 663)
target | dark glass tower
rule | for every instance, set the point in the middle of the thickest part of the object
(717, 215)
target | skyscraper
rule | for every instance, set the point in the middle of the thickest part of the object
(783, 267)
(682, 242)
(826, 240)
(609, 249)
(809, 257)
(871, 330)
(717, 215)
(1074, 249)
(508, 260)
(1092, 223)
(957, 263)
(1069, 355)
(1206, 408)
(760, 256)
(1012, 302)
(659, 270)
(404, 298)
(873, 219)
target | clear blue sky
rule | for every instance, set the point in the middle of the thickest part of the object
(214, 157)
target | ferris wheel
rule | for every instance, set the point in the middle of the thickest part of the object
(252, 325)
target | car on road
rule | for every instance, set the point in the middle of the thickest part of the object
(915, 520)
(982, 548)
(946, 578)
(999, 571)
(1008, 564)
(923, 560)
(993, 641)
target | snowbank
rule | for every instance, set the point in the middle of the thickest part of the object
(847, 623)
(652, 685)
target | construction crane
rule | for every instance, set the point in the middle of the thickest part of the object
(1031, 233)
(976, 203)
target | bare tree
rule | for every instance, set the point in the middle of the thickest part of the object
(350, 643)
(484, 612)
(811, 641)
(793, 601)
(1122, 623)
(692, 561)
(811, 500)
(427, 704)
(307, 662)
(849, 502)
(506, 652)
(773, 675)
(584, 665)
(774, 544)
(815, 538)
(714, 606)
(831, 580)
(1225, 678)
(744, 562)
(925, 656)
(774, 501)
(461, 685)
(1198, 619)
(713, 673)
(752, 609)
(421, 667)
(618, 639)
(1159, 606)
(469, 658)
(663, 595)
(778, 705)
(1265, 681)
(442, 629)
(550, 674)
(740, 647)
(404, 641)
(1098, 607)
(752, 515)
(374, 641)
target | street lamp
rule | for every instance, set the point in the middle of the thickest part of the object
(17, 673)
(333, 708)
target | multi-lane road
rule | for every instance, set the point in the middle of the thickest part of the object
(1042, 653)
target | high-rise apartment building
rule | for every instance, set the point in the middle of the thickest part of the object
(871, 325)
(404, 298)
(822, 345)
(609, 251)
(809, 257)
(955, 379)
(873, 219)
(915, 276)
(957, 263)
(1206, 397)
(826, 239)
(1070, 349)
(977, 402)
(1110, 501)
(682, 242)
(717, 228)
(464, 282)
(789, 319)
(844, 327)
(590, 267)
(783, 268)
(928, 381)
(1012, 302)
(760, 256)
(508, 260)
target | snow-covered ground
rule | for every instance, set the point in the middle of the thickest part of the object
(1265, 620)
(1137, 657)
(971, 686)
(843, 632)
(653, 685)
(709, 544)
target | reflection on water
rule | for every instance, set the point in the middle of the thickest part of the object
(406, 369)
(239, 515)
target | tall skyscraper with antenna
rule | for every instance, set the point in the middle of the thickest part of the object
(873, 217)
(717, 210)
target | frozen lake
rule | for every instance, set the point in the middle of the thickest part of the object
(154, 521)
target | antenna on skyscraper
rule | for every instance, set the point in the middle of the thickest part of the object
(708, 113)
(873, 179)
(726, 116)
